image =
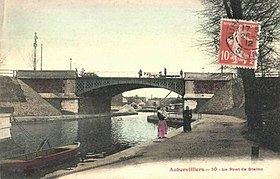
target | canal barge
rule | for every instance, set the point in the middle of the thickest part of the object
(174, 122)
(40, 159)
(147, 109)
(173, 119)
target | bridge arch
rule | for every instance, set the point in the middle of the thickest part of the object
(114, 86)
(95, 93)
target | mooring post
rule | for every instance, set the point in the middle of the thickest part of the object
(255, 152)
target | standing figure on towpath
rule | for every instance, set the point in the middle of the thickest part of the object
(162, 125)
(187, 117)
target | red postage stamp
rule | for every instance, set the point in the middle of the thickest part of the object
(238, 43)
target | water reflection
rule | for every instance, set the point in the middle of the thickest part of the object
(96, 135)
(133, 129)
(30, 135)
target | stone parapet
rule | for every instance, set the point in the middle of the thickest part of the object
(58, 96)
(46, 74)
(209, 76)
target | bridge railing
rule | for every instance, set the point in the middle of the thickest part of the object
(145, 74)
(116, 74)
(7, 72)
(273, 74)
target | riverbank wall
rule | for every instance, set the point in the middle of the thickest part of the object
(5, 126)
(67, 117)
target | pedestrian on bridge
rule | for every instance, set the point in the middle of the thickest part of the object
(181, 73)
(140, 73)
(187, 117)
(162, 125)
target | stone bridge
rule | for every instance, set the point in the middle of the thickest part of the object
(65, 89)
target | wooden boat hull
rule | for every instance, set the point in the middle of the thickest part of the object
(40, 160)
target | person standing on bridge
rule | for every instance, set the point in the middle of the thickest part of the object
(140, 73)
(82, 72)
(162, 125)
(181, 73)
(187, 117)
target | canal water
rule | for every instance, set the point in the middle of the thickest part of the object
(97, 135)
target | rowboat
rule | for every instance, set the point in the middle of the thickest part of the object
(40, 159)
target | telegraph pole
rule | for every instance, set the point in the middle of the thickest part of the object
(70, 63)
(35, 45)
(41, 57)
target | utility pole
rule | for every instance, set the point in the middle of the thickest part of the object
(70, 63)
(35, 45)
(41, 57)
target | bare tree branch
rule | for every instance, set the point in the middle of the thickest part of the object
(266, 12)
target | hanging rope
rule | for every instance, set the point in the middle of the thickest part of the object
(23, 129)
(165, 97)
(28, 134)
(43, 143)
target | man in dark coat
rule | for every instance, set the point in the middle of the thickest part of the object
(187, 116)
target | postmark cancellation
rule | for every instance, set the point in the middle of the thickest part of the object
(238, 43)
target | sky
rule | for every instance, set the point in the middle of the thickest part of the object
(109, 37)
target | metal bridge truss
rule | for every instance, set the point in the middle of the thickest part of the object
(84, 85)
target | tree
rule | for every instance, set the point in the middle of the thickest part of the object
(268, 14)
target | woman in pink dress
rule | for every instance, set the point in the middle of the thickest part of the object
(162, 125)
